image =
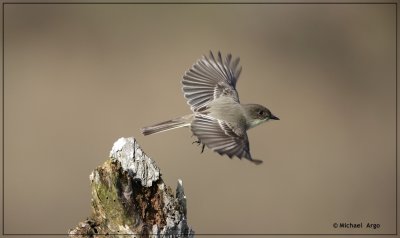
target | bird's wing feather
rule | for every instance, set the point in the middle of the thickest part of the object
(220, 137)
(210, 78)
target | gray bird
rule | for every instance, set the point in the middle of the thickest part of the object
(219, 120)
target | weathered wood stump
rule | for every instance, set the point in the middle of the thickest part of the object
(129, 197)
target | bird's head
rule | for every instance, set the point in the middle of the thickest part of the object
(257, 114)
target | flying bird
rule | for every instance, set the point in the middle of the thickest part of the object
(218, 119)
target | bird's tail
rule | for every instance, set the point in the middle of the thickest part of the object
(167, 125)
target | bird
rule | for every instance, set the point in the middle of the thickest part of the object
(218, 119)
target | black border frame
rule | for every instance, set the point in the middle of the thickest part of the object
(199, 3)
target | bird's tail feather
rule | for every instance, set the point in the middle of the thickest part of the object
(166, 126)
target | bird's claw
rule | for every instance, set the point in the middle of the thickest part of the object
(198, 142)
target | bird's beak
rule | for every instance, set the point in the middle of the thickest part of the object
(274, 117)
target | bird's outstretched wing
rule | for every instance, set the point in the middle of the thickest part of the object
(220, 137)
(210, 78)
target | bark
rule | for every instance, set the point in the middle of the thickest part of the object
(129, 197)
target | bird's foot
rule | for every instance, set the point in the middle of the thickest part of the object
(198, 142)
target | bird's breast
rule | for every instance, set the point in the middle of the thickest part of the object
(254, 123)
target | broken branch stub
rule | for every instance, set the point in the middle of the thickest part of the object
(129, 197)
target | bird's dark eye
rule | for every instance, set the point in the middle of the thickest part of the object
(261, 113)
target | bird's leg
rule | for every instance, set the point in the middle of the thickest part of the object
(198, 142)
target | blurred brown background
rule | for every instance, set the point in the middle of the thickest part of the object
(78, 77)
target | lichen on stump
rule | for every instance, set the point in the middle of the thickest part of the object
(130, 197)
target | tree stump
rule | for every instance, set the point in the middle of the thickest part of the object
(130, 199)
